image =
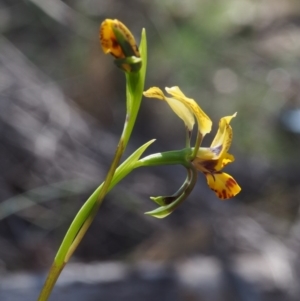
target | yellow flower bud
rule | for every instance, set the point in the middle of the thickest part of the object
(117, 40)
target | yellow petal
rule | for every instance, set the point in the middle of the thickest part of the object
(228, 158)
(223, 185)
(108, 39)
(117, 39)
(154, 92)
(182, 112)
(178, 107)
(223, 138)
(204, 122)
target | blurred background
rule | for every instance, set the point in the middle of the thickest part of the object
(62, 108)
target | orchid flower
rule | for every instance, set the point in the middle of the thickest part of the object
(210, 160)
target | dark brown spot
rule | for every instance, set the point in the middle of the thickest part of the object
(224, 194)
(230, 183)
(114, 43)
(209, 164)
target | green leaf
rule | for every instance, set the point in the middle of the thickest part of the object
(129, 164)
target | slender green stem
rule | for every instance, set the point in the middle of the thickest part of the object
(72, 240)
(82, 232)
(134, 90)
(166, 158)
(85, 216)
(134, 97)
(197, 145)
(52, 277)
(188, 137)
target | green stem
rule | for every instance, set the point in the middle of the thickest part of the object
(197, 145)
(87, 212)
(166, 158)
(188, 137)
(85, 216)
(134, 97)
(82, 232)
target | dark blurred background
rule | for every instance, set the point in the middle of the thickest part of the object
(62, 108)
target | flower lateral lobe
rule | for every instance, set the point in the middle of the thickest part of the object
(224, 135)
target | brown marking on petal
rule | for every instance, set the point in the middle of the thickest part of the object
(224, 194)
(114, 43)
(128, 35)
(230, 137)
(209, 164)
(104, 42)
(116, 47)
(108, 40)
(230, 183)
(136, 50)
(154, 92)
(157, 95)
(109, 30)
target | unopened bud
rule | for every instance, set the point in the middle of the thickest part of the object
(117, 40)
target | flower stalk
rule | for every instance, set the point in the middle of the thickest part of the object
(135, 79)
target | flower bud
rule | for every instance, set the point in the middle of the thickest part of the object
(117, 40)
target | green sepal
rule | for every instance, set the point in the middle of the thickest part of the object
(161, 200)
(180, 196)
(164, 211)
(167, 200)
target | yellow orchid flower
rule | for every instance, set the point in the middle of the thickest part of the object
(211, 160)
(116, 39)
(186, 108)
